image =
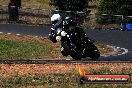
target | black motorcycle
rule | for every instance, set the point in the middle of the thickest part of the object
(75, 43)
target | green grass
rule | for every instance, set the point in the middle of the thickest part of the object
(22, 50)
(68, 80)
(34, 49)
(26, 47)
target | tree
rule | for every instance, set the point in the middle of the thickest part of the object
(114, 7)
(123, 7)
(69, 5)
(73, 6)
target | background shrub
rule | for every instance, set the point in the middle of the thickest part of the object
(113, 7)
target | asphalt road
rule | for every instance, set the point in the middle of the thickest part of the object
(119, 39)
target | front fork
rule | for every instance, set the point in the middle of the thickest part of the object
(69, 48)
(65, 51)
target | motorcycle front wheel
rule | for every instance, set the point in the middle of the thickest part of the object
(75, 57)
(73, 53)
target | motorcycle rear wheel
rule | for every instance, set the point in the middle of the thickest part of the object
(94, 53)
(75, 57)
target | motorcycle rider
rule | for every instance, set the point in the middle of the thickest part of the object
(69, 26)
(56, 21)
(57, 25)
(80, 43)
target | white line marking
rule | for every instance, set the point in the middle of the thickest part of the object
(1, 32)
(9, 33)
(117, 51)
(17, 34)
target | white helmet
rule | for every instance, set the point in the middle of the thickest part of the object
(55, 18)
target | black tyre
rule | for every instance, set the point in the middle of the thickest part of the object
(64, 52)
(95, 55)
(93, 52)
(73, 53)
(75, 57)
